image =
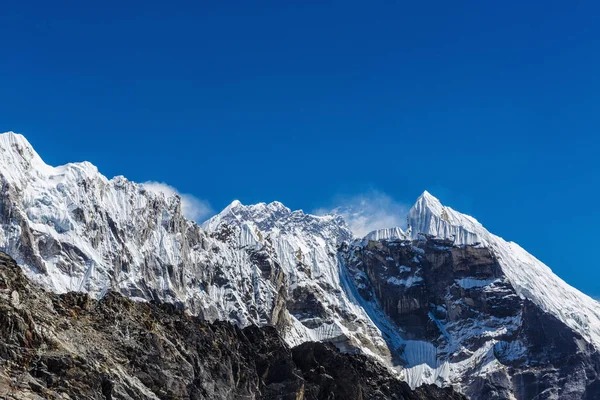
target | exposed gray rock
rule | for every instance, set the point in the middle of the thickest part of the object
(457, 299)
(70, 346)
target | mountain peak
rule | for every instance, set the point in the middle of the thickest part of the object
(235, 203)
(430, 216)
(276, 205)
(238, 213)
(273, 206)
(17, 156)
(276, 217)
(11, 142)
(427, 200)
(530, 277)
(12, 137)
(426, 194)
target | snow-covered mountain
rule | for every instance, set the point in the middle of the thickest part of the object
(443, 302)
(71, 228)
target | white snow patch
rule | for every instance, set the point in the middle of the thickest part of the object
(408, 282)
(469, 283)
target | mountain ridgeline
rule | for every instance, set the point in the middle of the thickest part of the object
(442, 303)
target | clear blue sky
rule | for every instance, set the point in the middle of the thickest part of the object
(494, 107)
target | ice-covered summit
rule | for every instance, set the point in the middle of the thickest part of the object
(71, 228)
(429, 216)
(11, 142)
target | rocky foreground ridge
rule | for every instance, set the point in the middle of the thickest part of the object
(70, 346)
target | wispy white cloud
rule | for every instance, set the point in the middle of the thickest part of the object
(369, 211)
(193, 208)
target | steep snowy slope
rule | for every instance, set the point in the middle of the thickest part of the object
(306, 246)
(73, 229)
(529, 276)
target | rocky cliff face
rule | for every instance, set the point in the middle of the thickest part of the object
(70, 346)
(443, 302)
(462, 323)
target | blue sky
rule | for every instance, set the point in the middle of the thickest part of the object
(493, 107)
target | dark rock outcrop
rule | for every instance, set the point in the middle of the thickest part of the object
(73, 347)
(458, 299)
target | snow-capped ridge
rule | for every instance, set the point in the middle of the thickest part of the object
(11, 141)
(266, 216)
(234, 204)
(17, 157)
(261, 207)
(19, 162)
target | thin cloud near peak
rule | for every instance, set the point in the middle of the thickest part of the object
(368, 211)
(192, 207)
